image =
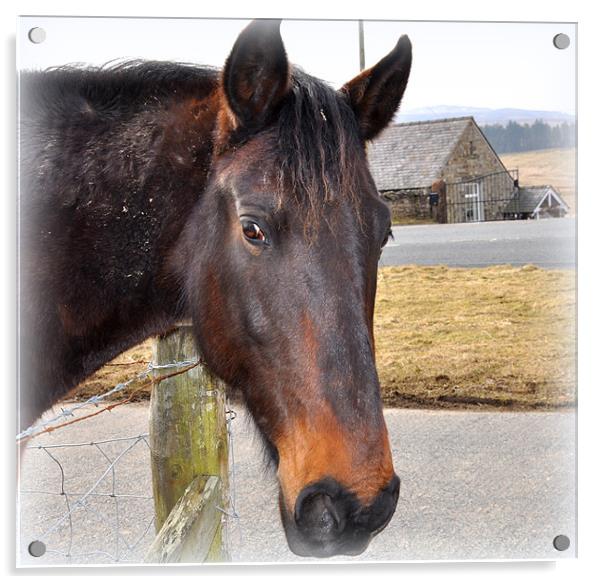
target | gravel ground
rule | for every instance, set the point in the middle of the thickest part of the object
(475, 485)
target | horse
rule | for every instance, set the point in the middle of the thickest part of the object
(240, 198)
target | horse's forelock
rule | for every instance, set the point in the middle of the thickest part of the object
(318, 147)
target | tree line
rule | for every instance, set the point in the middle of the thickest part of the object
(515, 137)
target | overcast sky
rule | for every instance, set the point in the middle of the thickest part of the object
(462, 64)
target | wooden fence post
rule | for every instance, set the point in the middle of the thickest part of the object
(189, 444)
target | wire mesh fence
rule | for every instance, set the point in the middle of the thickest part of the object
(85, 488)
(82, 502)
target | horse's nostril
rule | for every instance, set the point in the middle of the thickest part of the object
(317, 514)
(331, 519)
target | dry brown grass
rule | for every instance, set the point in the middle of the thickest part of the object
(554, 167)
(498, 336)
(121, 369)
(452, 337)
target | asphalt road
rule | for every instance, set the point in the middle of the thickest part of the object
(474, 485)
(548, 243)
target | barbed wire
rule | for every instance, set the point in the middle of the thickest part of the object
(51, 424)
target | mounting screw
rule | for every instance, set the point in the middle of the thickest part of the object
(37, 549)
(561, 543)
(37, 35)
(561, 41)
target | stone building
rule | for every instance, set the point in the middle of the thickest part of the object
(444, 170)
(538, 202)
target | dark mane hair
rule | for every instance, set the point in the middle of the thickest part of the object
(318, 144)
(114, 88)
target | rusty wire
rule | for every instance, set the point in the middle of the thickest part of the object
(47, 426)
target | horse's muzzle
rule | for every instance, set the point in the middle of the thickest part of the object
(328, 519)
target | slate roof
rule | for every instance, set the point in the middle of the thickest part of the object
(413, 155)
(528, 198)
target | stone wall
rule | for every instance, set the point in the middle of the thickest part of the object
(409, 204)
(471, 158)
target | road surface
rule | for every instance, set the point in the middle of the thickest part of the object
(548, 243)
(474, 485)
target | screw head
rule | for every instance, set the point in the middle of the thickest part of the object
(561, 41)
(37, 548)
(37, 35)
(561, 543)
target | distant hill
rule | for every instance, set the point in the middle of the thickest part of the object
(483, 116)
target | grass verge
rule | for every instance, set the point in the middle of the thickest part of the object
(489, 337)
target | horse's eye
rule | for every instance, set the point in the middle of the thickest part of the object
(252, 231)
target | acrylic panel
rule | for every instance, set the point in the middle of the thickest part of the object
(298, 291)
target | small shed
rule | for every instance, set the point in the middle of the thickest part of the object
(445, 170)
(536, 203)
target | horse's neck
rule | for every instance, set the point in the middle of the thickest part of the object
(99, 278)
(150, 218)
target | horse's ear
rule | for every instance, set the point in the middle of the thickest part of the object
(375, 93)
(256, 75)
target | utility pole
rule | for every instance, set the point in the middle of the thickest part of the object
(362, 56)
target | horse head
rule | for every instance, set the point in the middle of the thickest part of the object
(283, 253)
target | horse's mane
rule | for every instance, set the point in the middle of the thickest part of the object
(318, 145)
(117, 87)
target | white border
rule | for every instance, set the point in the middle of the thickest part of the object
(589, 214)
